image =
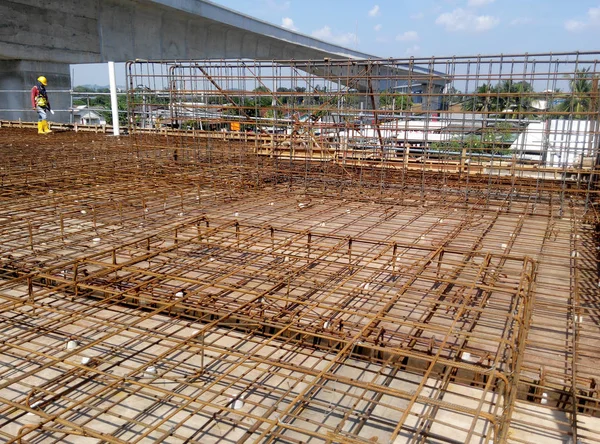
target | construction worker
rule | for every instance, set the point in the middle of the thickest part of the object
(40, 103)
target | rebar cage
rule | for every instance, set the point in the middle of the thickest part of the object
(504, 124)
(334, 251)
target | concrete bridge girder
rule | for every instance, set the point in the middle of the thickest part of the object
(92, 31)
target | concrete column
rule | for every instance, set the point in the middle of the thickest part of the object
(17, 77)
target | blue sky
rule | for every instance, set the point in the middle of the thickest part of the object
(400, 28)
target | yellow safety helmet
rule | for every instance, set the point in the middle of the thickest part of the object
(42, 80)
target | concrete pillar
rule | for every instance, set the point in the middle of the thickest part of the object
(17, 77)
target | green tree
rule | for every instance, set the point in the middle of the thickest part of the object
(282, 96)
(122, 106)
(481, 101)
(83, 89)
(273, 113)
(264, 97)
(506, 97)
(451, 97)
(498, 137)
(351, 100)
(578, 103)
(514, 96)
(488, 143)
(399, 102)
(300, 97)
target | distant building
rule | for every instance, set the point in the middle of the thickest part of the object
(427, 94)
(84, 116)
(556, 143)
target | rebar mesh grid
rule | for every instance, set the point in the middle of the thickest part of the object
(285, 291)
(496, 125)
(189, 287)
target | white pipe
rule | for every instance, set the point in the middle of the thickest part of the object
(113, 97)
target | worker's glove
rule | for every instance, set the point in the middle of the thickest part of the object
(52, 111)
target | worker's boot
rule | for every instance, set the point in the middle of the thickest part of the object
(41, 127)
(46, 127)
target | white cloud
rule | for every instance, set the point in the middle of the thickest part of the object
(326, 34)
(574, 25)
(413, 50)
(476, 3)
(417, 16)
(593, 18)
(288, 23)
(374, 12)
(520, 21)
(378, 27)
(407, 36)
(594, 14)
(462, 20)
(452, 21)
(485, 22)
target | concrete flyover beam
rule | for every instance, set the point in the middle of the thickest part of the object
(92, 31)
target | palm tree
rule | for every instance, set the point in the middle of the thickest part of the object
(514, 96)
(579, 102)
(481, 101)
(506, 95)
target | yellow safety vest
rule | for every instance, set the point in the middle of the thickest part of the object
(41, 101)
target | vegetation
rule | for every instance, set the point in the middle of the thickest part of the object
(295, 96)
(506, 100)
(400, 102)
(452, 97)
(493, 140)
(578, 103)
(263, 99)
(474, 143)
(351, 99)
(89, 99)
(273, 114)
(100, 103)
(511, 99)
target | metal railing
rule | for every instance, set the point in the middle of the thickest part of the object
(58, 96)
